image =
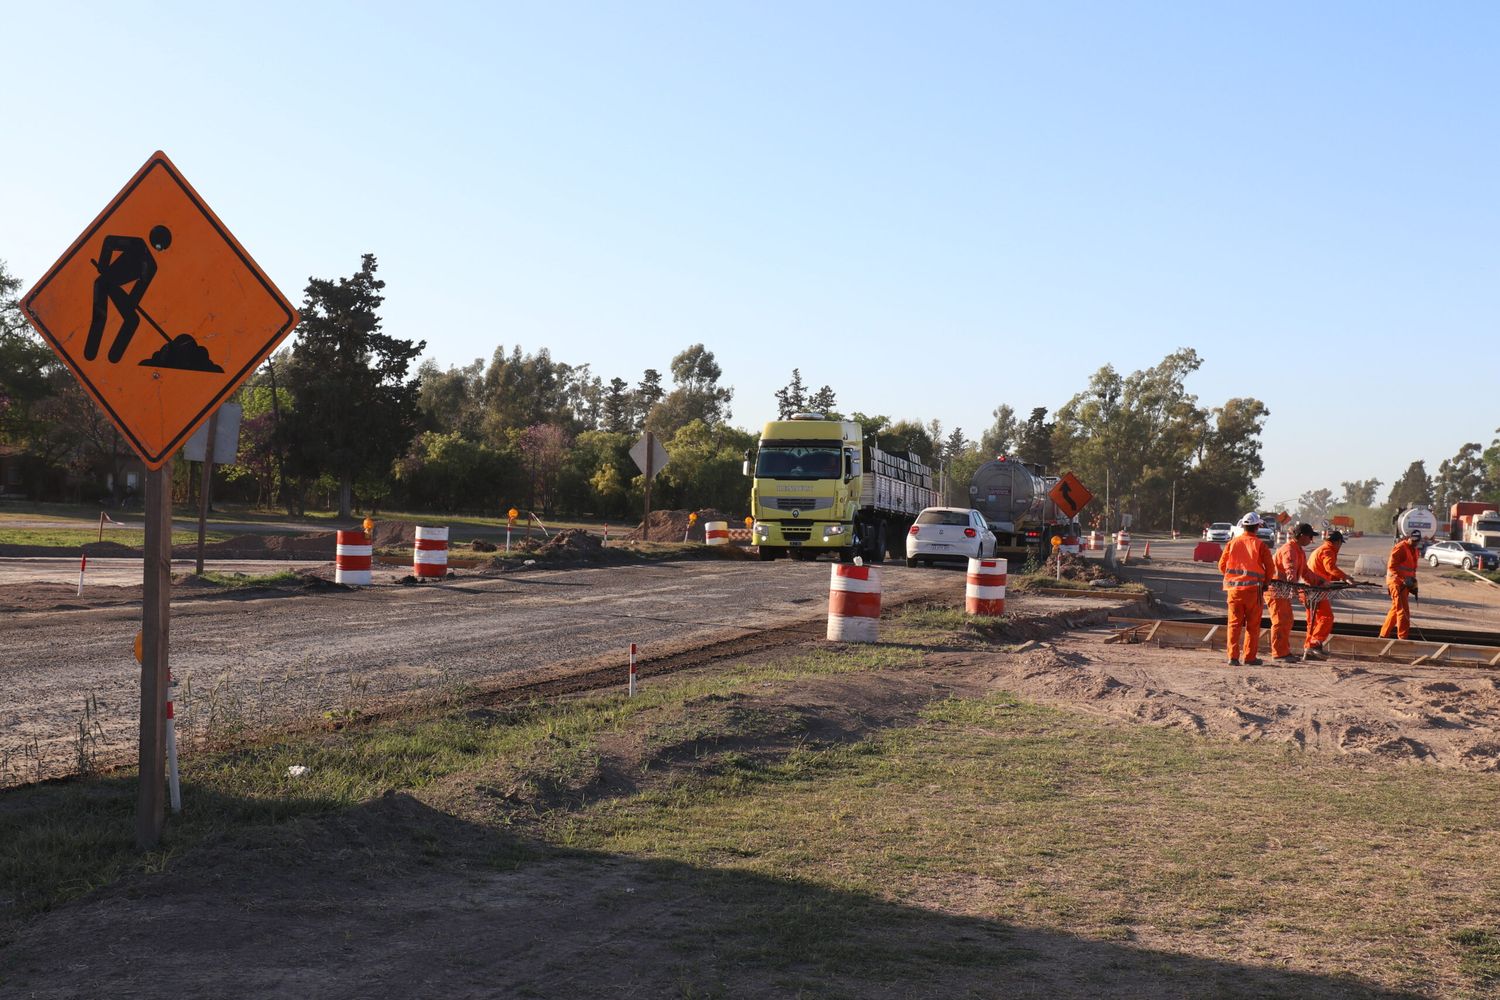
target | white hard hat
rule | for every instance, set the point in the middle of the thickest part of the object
(1250, 520)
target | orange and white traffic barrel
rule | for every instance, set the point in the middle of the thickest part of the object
(984, 588)
(352, 563)
(716, 532)
(1122, 545)
(1070, 545)
(1096, 541)
(430, 560)
(853, 603)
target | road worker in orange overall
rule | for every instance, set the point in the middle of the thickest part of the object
(1325, 563)
(1247, 567)
(1291, 567)
(1401, 581)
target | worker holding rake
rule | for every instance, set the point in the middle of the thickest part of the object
(1325, 563)
(1292, 571)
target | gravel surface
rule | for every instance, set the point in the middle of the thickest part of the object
(255, 659)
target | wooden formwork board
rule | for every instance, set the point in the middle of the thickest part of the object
(1198, 635)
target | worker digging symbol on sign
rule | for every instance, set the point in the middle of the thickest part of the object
(126, 260)
(1247, 567)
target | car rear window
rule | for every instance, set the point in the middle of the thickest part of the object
(958, 517)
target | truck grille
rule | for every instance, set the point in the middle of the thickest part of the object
(798, 503)
(796, 534)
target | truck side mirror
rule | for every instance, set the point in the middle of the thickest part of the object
(746, 469)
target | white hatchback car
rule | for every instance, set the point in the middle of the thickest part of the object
(949, 533)
(1219, 531)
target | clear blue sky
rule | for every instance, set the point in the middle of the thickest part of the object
(1305, 193)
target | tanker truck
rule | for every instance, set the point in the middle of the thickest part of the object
(1416, 518)
(1013, 497)
(817, 486)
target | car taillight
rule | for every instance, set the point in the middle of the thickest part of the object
(913, 530)
(1033, 534)
(969, 532)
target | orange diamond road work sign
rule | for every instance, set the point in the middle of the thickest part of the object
(1283, 517)
(158, 311)
(1070, 495)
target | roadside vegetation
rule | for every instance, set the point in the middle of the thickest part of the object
(936, 794)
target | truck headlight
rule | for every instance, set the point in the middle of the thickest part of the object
(833, 529)
(761, 531)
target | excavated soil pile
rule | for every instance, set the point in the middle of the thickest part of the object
(670, 525)
(395, 534)
(571, 543)
(1084, 570)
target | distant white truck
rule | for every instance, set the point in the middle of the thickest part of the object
(1483, 529)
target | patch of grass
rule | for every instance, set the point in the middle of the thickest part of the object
(241, 581)
(987, 808)
(73, 539)
(1479, 955)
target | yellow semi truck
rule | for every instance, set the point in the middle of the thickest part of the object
(817, 487)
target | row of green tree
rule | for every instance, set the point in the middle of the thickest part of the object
(344, 416)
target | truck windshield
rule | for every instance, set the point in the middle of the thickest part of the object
(799, 463)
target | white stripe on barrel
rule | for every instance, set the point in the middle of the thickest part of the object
(352, 562)
(430, 558)
(853, 603)
(716, 532)
(984, 589)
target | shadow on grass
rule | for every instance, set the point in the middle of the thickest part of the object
(396, 899)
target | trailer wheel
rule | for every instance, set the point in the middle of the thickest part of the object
(879, 546)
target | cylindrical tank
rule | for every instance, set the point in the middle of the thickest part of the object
(1005, 492)
(1417, 519)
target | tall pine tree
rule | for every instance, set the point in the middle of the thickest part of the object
(353, 408)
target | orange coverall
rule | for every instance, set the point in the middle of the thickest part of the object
(1325, 563)
(1291, 564)
(1400, 576)
(1247, 567)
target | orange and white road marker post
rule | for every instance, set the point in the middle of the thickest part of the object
(174, 787)
(984, 587)
(83, 564)
(606, 534)
(510, 523)
(853, 603)
(692, 520)
(632, 669)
